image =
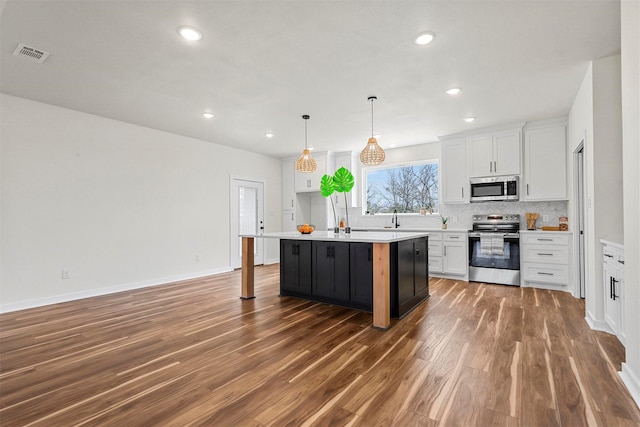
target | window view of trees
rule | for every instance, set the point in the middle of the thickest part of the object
(407, 189)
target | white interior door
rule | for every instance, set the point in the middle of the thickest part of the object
(580, 201)
(247, 217)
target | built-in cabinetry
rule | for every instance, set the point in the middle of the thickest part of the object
(448, 253)
(306, 182)
(455, 180)
(342, 272)
(350, 161)
(613, 276)
(288, 195)
(545, 162)
(411, 275)
(295, 267)
(494, 154)
(544, 259)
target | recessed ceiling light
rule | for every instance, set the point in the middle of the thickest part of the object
(208, 115)
(453, 91)
(424, 38)
(268, 135)
(469, 119)
(190, 33)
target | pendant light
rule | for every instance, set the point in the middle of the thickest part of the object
(305, 162)
(372, 154)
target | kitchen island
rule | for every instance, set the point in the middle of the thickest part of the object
(383, 272)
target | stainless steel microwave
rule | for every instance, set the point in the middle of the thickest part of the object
(495, 189)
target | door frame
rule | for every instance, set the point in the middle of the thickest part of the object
(580, 243)
(233, 214)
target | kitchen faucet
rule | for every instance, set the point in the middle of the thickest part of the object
(394, 218)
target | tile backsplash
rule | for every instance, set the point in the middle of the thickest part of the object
(460, 215)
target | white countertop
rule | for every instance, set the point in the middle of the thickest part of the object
(354, 236)
(408, 229)
(545, 231)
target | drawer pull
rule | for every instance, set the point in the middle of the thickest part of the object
(454, 237)
(621, 262)
(544, 240)
(542, 253)
(542, 273)
(608, 256)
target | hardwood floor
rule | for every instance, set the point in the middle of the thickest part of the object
(193, 353)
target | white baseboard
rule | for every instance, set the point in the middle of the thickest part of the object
(597, 325)
(39, 302)
(272, 261)
(630, 379)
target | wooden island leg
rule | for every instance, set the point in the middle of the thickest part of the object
(247, 268)
(381, 286)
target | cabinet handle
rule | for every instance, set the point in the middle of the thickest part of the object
(445, 251)
(462, 192)
(613, 290)
(608, 256)
(369, 256)
(454, 237)
(417, 251)
(333, 251)
(542, 253)
(621, 262)
(542, 273)
(544, 240)
(491, 166)
(527, 189)
(292, 216)
(495, 166)
(292, 204)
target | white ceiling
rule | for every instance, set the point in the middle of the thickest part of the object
(262, 64)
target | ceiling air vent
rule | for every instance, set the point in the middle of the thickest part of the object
(30, 53)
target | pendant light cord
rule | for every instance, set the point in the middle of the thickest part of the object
(372, 117)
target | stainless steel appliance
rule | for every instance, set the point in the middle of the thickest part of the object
(494, 249)
(495, 188)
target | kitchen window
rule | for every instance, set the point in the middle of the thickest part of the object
(407, 188)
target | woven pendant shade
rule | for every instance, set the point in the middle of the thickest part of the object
(305, 162)
(372, 154)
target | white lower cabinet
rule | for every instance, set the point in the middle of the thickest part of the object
(613, 276)
(454, 254)
(289, 221)
(435, 253)
(545, 259)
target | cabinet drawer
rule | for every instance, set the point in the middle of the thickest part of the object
(435, 249)
(435, 237)
(545, 273)
(546, 254)
(435, 264)
(454, 237)
(537, 239)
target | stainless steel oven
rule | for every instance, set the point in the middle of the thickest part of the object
(494, 249)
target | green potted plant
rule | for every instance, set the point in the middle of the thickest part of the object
(343, 182)
(444, 220)
(327, 188)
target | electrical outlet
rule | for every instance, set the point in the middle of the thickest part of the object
(546, 218)
(197, 258)
(65, 274)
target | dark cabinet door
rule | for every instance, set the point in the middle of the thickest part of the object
(361, 275)
(295, 267)
(421, 267)
(331, 270)
(406, 263)
(322, 268)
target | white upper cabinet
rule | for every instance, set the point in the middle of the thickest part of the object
(288, 187)
(494, 154)
(455, 181)
(306, 182)
(350, 161)
(545, 163)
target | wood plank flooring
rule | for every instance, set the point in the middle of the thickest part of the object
(194, 354)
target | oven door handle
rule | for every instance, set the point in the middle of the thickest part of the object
(505, 235)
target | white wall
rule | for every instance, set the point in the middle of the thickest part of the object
(595, 118)
(116, 205)
(630, 12)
